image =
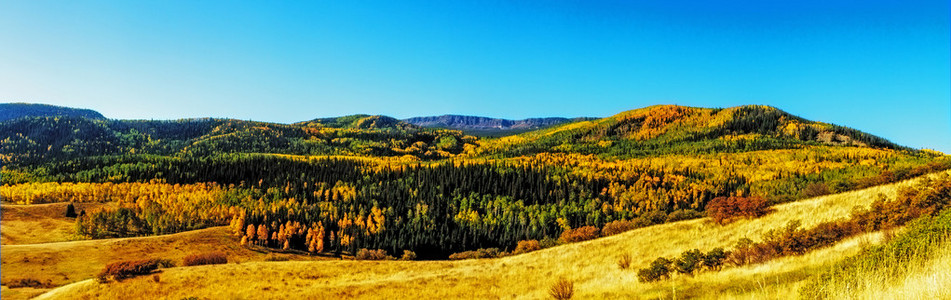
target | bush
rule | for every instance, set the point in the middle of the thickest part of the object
(659, 269)
(127, 269)
(688, 262)
(27, 282)
(713, 260)
(624, 261)
(563, 289)
(367, 254)
(726, 209)
(527, 246)
(615, 227)
(481, 253)
(548, 242)
(579, 234)
(212, 258)
(815, 189)
(408, 255)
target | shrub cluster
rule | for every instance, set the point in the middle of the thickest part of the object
(373, 254)
(726, 209)
(481, 253)
(579, 234)
(791, 241)
(689, 263)
(211, 258)
(615, 227)
(527, 246)
(921, 241)
(408, 255)
(28, 282)
(925, 199)
(127, 269)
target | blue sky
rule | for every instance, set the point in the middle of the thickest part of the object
(881, 67)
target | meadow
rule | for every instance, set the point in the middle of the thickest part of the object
(591, 265)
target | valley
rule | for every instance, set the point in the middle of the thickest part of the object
(374, 207)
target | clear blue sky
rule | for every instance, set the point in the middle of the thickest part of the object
(881, 67)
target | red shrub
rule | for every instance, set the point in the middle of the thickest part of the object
(615, 227)
(726, 209)
(527, 246)
(579, 234)
(213, 258)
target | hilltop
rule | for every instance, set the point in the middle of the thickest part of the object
(10, 111)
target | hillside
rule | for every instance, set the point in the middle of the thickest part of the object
(61, 263)
(10, 111)
(592, 265)
(31, 140)
(41, 223)
(671, 129)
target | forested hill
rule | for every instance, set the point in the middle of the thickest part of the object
(9, 111)
(474, 123)
(651, 131)
(359, 122)
(666, 129)
(380, 183)
(31, 140)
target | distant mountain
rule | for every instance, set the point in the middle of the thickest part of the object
(485, 124)
(9, 111)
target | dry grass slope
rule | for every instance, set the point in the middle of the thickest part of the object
(591, 265)
(39, 223)
(65, 262)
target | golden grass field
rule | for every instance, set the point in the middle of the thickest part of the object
(39, 223)
(60, 263)
(592, 265)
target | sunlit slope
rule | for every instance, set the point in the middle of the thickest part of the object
(66, 262)
(672, 129)
(39, 223)
(592, 265)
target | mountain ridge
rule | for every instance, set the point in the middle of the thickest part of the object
(10, 111)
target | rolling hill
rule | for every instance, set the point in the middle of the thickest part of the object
(10, 111)
(339, 187)
(671, 129)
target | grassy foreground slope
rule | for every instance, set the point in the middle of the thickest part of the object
(592, 265)
(56, 264)
(41, 223)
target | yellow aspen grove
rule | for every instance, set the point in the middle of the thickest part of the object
(250, 232)
(263, 235)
